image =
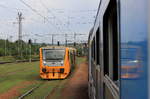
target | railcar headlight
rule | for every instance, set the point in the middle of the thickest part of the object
(62, 70)
(44, 63)
(44, 70)
(62, 62)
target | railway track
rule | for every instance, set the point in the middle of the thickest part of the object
(53, 90)
(30, 91)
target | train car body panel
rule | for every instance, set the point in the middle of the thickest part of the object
(101, 86)
(148, 50)
(56, 62)
(118, 50)
(134, 55)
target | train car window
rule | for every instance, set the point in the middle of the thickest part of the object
(111, 45)
(53, 56)
(50, 54)
(68, 55)
(105, 45)
(71, 58)
(116, 45)
(94, 49)
(97, 48)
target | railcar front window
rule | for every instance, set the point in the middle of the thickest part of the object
(53, 57)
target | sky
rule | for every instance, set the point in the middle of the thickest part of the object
(42, 18)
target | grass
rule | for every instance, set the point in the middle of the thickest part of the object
(14, 74)
(12, 59)
(45, 89)
(7, 59)
(26, 75)
(79, 60)
(57, 95)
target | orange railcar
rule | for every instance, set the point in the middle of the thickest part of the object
(56, 62)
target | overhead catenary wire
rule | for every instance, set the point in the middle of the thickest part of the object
(47, 18)
(13, 9)
(35, 11)
(52, 14)
(42, 15)
(60, 23)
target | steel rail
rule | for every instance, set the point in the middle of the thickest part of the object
(29, 91)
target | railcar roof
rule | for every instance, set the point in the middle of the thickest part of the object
(57, 47)
(53, 47)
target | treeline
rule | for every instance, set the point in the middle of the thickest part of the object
(19, 49)
(82, 48)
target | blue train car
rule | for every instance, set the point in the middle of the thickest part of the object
(134, 35)
(119, 50)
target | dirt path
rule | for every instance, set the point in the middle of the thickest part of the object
(77, 86)
(14, 92)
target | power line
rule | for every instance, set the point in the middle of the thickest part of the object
(39, 14)
(36, 11)
(44, 16)
(65, 35)
(52, 13)
(11, 8)
(60, 22)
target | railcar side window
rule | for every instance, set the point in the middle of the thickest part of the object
(111, 45)
(92, 54)
(97, 48)
(91, 51)
(94, 49)
(68, 55)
